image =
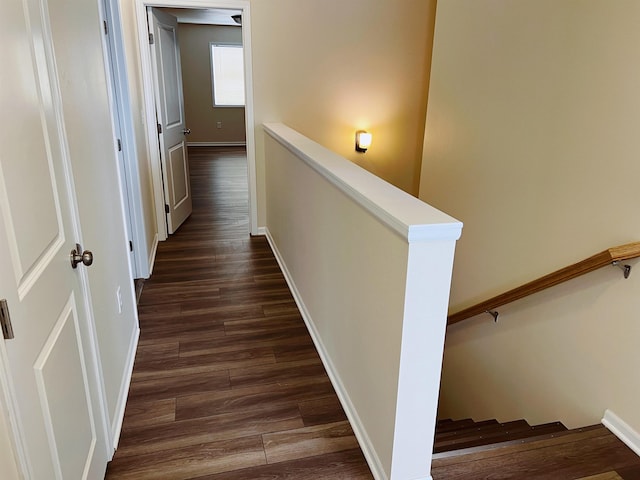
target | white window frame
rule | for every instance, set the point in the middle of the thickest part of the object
(214, 78)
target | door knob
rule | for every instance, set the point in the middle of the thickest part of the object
(186, 131)
(86, 257)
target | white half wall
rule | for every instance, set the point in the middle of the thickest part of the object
(370, 268)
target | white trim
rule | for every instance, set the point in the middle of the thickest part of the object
(262, 231)
(149, 117)
(116, 426)
(356, 424)
(622, 430)
(9, 404)
(129, 178)
(249, 117)
(408, 216)
(152, 253)
(216, 144)
(149, 100)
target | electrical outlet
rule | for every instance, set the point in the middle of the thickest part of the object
(219, 125)
(119, 298)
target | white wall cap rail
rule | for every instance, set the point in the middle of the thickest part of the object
(408, 216)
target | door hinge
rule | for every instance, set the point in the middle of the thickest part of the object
(151, 41)
(166, 208)
(119, 145)
(130, 246)
(5, 320)
(159, 128)
(106, 28)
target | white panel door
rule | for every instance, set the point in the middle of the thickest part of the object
(165, 54)
(51, 364)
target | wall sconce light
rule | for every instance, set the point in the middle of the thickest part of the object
(363, 141)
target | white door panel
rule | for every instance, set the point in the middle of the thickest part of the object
(179, 176)
(165, 54)
(67, 412)
(48, 362)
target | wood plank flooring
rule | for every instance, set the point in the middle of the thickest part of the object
(227, 383)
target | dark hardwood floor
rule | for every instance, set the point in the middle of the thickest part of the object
(227, 383)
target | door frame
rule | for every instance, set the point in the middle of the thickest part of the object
(148, 88)
(116, 67)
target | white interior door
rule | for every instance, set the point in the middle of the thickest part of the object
(165, 54)
(50, 366)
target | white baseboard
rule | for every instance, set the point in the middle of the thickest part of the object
(152, 254)
(356, 424)
(262, 231)
(216, 144)
(622, 430)
(116, 425)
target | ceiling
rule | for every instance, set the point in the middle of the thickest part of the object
(209, 16)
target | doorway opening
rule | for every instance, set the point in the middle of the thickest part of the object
(195, 8)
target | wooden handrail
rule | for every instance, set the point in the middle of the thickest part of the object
(607, 257)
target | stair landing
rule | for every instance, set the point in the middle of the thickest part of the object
(590, 453)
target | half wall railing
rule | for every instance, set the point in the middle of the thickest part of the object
(370, 269)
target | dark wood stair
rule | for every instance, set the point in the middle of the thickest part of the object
(488, 449)
(455, 435)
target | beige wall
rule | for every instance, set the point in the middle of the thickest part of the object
(328, 68)
(201, 115)
(532, 141)
(319, 231)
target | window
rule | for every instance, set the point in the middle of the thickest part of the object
(227, 72)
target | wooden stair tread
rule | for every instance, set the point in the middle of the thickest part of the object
(573, 454)
(509, 433)
(456, 424)
(475, 427)
(466, 433)
(486, 431)
(538, 432)
(513, 446)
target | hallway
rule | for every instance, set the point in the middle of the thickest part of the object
(227, 383)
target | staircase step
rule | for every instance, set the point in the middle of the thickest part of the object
(456, 424)
(480, 449)
(591, 452)
(478, 432)
(470, 438)
(502, 433)
(467, 429)
(443, 421)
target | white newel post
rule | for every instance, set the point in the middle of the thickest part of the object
(429, 268)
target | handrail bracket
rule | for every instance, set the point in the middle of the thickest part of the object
(494, 314)
(626, 269)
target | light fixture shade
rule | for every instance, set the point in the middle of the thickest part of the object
(363, 141)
